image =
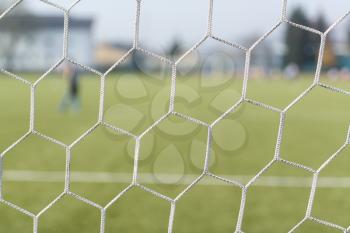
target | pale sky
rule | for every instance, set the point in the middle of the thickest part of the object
(164, 20)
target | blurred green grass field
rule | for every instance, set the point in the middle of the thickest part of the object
(242, 145)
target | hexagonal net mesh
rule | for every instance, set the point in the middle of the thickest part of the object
(171, 111)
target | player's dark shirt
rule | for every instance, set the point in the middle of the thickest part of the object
(74, 85)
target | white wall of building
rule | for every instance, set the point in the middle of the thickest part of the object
(40, 49)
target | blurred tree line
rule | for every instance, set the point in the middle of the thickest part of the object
(303, 46)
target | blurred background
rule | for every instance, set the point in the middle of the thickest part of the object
(172, 154)
(35, 30)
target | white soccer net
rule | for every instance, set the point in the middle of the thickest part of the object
(209, 126)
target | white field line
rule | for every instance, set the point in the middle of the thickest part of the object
(149, 178)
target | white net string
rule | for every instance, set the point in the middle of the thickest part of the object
(135, 181)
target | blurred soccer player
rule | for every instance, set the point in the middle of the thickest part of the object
(71, 97)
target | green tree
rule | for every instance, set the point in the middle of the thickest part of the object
(174, 49)
(348, 36)
(329, 58)
(297, 40)
(303, 46)
(319, 24)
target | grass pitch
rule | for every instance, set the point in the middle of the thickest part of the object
(243, 143)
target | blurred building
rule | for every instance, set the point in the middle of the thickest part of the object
(32, 43)
(106, 54)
